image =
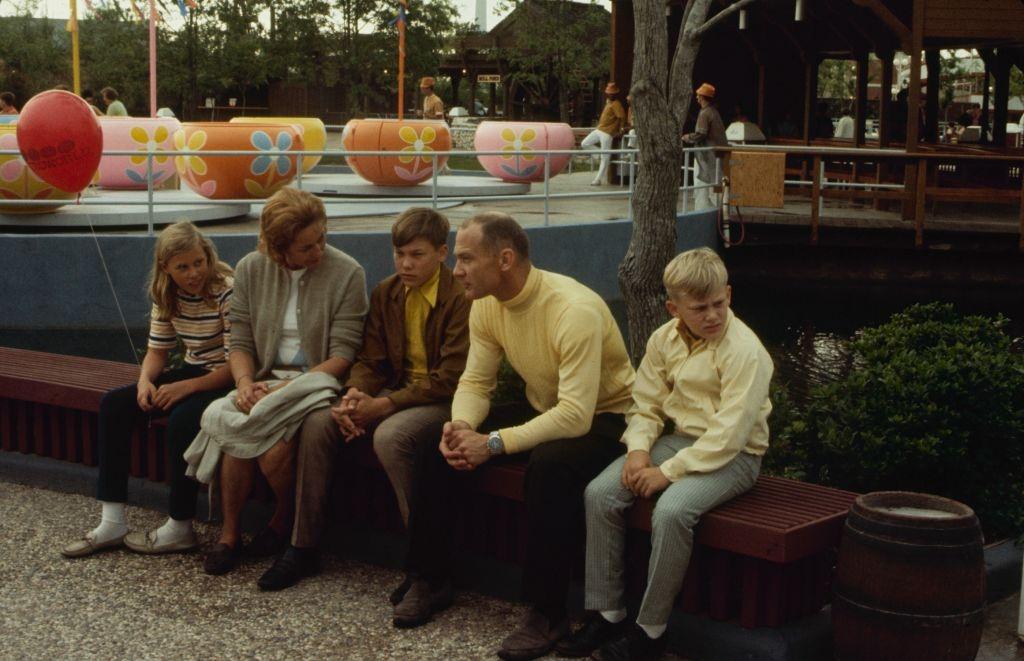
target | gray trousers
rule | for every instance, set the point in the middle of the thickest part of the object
(395, 440)
(676, 512)
(320, 442)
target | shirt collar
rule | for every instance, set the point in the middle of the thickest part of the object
(428, 289)
(693, 342)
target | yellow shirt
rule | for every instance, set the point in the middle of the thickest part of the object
(418, 304)
(433, 107)
(562, 339)
(613, 118)
(715, 391)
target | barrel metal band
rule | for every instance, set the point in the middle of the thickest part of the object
(963, 619)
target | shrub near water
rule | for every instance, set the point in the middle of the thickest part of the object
(934, 403)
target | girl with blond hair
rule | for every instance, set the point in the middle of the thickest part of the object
(191, 290)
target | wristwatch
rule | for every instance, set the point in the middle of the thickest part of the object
(494, 443)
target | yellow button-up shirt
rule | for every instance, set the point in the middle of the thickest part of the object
(715, 391)
(418, 304)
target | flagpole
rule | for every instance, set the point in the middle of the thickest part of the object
(152, 58)
(401, 58)
(76, 73)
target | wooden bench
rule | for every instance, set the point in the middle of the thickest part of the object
(764, 558)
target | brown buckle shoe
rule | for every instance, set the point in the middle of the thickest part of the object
(421, 602)
(535, 636)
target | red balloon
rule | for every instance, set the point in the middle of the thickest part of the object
(60, 139)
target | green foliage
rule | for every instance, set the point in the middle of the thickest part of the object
(934, 403)
(560, 46)
(230, 48)
(36, 54)
(837, 79)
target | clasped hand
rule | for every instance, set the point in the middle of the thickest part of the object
(463, 448)
(357, 411)
(152, 398)
(249, 394)
(640, 477)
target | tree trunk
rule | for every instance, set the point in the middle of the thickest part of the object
(661, 99)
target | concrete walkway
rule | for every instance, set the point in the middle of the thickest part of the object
(122, 605)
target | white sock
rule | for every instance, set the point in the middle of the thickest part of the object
(113, 523)
(615, 616)
(174, 531)
(653, 631)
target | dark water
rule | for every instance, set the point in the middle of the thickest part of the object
(806, 331)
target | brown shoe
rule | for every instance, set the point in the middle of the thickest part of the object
(421, 602)
(535, 636)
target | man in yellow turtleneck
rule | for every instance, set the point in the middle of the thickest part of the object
(560, 337)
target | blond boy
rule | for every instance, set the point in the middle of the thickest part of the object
(707, 372)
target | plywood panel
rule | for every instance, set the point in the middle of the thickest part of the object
(756, 179)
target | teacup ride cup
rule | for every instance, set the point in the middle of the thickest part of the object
(312, 129)
(227, 177)
(519, 143)
(403, 137)
(141, 134)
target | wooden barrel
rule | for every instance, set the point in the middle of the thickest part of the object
(910, 580)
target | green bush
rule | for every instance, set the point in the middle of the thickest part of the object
(934, 403)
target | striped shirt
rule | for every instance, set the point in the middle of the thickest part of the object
(203, 327)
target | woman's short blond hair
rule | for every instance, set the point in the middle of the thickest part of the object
(697, 273)
(287, 212)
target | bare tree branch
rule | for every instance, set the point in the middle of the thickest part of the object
(721, 16)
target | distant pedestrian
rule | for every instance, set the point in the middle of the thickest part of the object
(610, 125)
(433, 106)
(709, 132)
(7, 104)
(90, 98)
(114, 107)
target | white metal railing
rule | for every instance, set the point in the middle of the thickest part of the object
(153, 196)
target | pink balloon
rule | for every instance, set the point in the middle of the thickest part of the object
(60, 139)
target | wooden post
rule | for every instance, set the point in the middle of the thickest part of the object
(909, 190)
(816, 200)
(860, 113)
(623, 29)
(762, 73)
(885, 100)
(919, 199)
(1021, 246)
(931, 111)
(1002, 100)
(810, 94)
(914, 91)
(986, 58)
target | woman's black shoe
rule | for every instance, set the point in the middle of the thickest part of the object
(220, 559)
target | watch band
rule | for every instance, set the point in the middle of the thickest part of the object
(494, 443)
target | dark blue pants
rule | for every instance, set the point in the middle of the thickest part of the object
(120, 412)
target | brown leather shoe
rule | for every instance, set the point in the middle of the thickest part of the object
(421, 602)
(535, 636)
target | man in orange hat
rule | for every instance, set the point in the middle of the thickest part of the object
(709, 132)
(433, 106)
(610, 125)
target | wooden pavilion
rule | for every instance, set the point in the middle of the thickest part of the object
(770, 66)
(766, 59)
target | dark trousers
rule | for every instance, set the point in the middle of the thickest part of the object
(557, 472)
(120, 412)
